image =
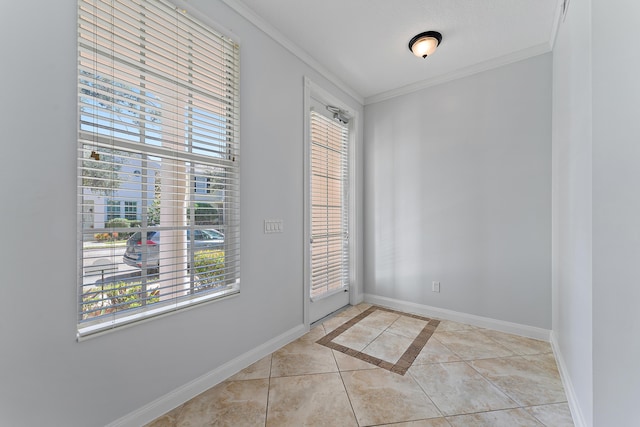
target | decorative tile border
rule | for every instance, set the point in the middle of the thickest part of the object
(405, 361)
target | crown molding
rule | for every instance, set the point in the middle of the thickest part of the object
(251, 16)
(463, 72)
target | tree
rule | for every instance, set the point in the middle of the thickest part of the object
(108, 107)
(101, 176)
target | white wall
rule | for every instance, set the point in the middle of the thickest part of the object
(46, 377)
(572, 202)
(616, 212)
(458, 190)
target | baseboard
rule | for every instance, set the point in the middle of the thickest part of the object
(574, 406)
(193, 388)
(471, 319)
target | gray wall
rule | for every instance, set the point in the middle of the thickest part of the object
(572, 202)
(46, 377)
(596, 236)
(616, 212)
(458, 190)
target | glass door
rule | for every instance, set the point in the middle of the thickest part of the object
(329, 209)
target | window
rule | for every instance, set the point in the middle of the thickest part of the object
(158, 111)
(131, 210)
(113, 209)
(202, 184)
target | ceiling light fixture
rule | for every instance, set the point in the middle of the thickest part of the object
(424, 44)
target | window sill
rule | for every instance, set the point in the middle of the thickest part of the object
(127, 320)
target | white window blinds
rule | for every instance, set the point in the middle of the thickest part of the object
(329, 205)
(158, 155)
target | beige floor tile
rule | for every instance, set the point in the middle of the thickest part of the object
(357, 337)
(388, 346)
(554, 415)
(349, 363)
(456, 388)
(302, 357)
(363, 306)
(332, 323)
(308, 381)
(167, 420)
(231, 403)
(546, 362)
(309, 400)
(435, 352)
(432, 422)
(508, 418)
(379, 397)
(517, 344)
(469, 345)
(350, 312)
(450, 325)
(379, 319)
(258, 370)
(526, 379)
(312, 336)
(407, 327)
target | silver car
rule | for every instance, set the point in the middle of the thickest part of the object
(202, 239)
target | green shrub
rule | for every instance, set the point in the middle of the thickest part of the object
(135, 223)
(206, 214)
(209, 265)
(119, 223)
(114, 297)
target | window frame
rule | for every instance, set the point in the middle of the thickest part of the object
(227, 162)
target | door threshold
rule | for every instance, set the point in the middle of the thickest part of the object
(330, 315)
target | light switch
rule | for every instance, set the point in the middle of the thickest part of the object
(273, 226)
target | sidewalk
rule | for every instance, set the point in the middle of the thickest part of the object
(104, 245)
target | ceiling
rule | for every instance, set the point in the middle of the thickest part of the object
(362, 44)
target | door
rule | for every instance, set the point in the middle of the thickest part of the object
(328, 202)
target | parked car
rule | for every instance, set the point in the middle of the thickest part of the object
(202, 239)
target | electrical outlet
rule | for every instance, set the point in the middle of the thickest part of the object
(435, 286)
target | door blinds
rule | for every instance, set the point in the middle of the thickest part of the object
(329, 206)
(158, 154)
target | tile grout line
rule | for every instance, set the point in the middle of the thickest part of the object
(266, 411)
(522, 405)
(347, 391)
(427, 394)
(514, 400)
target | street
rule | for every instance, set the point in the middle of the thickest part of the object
(107, 260)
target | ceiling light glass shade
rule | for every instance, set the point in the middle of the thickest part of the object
(424, 44)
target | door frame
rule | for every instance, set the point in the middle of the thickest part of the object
(312, 89)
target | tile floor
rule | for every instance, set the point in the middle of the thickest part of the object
(463, 376)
